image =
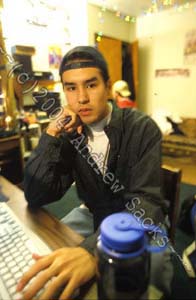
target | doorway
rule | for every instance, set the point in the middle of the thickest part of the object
(122, 59)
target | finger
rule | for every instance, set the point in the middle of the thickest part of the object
(66, 120)
(69, 130)
(54, 288)
(71, 124)
(66, 112)
(60, 123)
(36, 268)
(37, 256)
(69, 289)
(36, 285)
(79, 129)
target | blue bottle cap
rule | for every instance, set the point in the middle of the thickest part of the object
(122, 233)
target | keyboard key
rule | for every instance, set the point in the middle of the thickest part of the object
(2, 265)
(19, 259)
(11, 264)
(15, 254)
(4, 270)
(15, 269)
(22, 264)
(10, 282)
(18, 275)
(7, 276)
(12, 290)
(5, 254)
(8, 259)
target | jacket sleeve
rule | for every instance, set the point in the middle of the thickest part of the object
(90, 242)
(48, 172)
(143, 196)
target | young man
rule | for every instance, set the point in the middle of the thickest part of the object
(112, 155)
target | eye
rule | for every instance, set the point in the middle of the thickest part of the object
(70, 88)
(91, 85)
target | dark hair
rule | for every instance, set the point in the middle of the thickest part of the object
(90, 57)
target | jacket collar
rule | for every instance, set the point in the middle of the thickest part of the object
(116, 119)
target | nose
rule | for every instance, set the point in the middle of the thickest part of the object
(83, 96)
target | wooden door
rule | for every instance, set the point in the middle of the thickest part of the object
(112, 51)
(134, 57)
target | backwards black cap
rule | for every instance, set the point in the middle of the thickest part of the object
(84, 57)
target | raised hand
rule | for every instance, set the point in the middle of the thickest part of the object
(67, 121)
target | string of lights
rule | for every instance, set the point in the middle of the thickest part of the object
(155, 7)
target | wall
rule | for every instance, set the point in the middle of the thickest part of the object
(33, 23)
(162, 39)
(110, 25)
(67, 26)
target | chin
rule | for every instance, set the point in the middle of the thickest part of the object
(89, 120)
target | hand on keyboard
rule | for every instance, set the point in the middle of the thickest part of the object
(69, 267)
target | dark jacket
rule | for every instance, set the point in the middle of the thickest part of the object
(132, 179)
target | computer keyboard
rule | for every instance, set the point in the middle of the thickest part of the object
(17, 243)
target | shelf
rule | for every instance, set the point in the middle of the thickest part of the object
(31, 126)
(42, 81)
(43, 121)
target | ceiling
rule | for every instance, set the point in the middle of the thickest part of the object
(140, 7)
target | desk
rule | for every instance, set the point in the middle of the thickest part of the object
(47, 226)
(39, 221)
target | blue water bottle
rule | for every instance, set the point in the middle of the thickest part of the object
(123, 258)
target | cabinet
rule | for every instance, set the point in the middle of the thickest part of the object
(11, 162)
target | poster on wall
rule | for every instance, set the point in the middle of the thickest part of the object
(55, 56)
(172, 72)
(190, 47)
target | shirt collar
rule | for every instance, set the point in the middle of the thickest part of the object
(99, 126)
(115, 120)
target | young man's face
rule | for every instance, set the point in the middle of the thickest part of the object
(87, 93)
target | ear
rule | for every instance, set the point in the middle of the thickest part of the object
(108, 86)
